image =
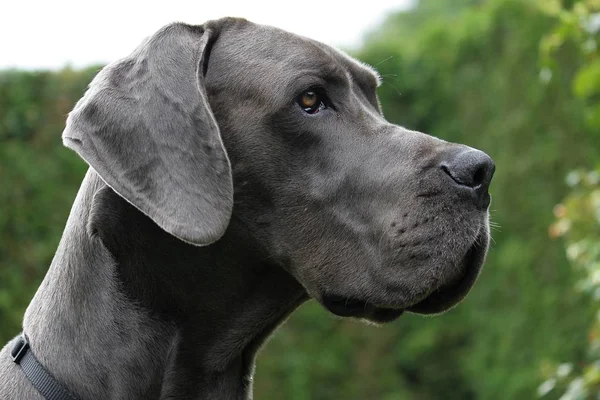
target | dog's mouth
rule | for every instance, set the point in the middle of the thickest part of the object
(452, 293)
(349, 307)
(438, 301)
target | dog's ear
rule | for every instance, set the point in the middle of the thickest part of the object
(145, 126)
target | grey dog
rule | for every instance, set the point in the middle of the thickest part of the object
(236, 171)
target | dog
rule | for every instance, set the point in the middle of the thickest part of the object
(237, 171)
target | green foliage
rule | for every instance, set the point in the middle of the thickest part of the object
(467, 71)
(578, 222)
(578, 217)
(578, 25)
(38, 180)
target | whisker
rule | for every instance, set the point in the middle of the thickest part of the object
(394, 86)
(382, 61)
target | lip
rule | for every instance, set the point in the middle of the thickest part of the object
(350, 307)
(447, 296)
(442, 299)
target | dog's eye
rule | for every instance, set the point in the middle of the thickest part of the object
(311, 102)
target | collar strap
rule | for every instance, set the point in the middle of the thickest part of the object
(39, 377)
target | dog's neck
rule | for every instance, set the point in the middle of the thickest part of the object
(127, 311)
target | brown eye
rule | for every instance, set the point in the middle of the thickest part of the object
(311, 102)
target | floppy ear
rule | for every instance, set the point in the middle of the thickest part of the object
(145, 126)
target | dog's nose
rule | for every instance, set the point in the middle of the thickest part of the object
(470, 168)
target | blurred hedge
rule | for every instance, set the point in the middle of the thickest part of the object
(38, 180)
(465, 71)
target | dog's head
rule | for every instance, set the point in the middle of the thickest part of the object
(240, 126)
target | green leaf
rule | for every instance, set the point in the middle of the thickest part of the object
(587, 80)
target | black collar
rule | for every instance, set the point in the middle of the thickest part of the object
(39, 377)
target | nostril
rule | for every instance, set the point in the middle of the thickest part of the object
(479, 177)
(469, 167)
(457, 176)
(445, 168)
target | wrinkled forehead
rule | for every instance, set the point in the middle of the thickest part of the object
(263, 58)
